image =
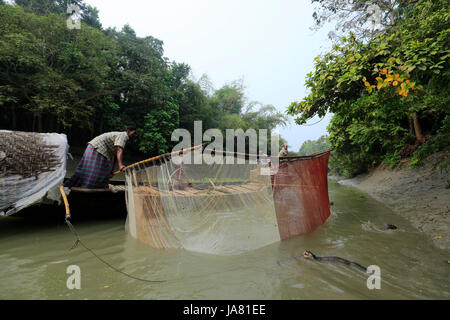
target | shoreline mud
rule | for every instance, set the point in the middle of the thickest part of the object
(420, 195)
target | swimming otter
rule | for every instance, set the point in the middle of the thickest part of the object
(388, 227)
(309, 255)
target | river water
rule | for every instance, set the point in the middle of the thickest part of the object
(34, 258)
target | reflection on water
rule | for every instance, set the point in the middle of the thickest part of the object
(34, 259)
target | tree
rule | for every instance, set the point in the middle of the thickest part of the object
(87, 81)
(157, 130)
(312, 146)
(385, 93)
(206, 85)
(88, 14)
(365, 18)
(230, 98)
(51, 77)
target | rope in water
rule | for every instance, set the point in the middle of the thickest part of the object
(78, 241)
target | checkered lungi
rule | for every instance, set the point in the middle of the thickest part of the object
(92, 172)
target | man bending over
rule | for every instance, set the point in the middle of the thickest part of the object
(97, 164)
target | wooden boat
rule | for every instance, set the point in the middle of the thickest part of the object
(85, 204)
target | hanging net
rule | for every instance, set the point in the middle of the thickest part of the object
(224, 208)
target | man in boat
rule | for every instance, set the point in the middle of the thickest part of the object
(283, 151)
(98, 161)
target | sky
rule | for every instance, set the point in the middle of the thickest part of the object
(267, 43)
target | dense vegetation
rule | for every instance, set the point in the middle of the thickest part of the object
(313, 146)
(390, 93)
(91, 80)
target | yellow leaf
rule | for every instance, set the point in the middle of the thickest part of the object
(367, 84)
(395, 83)
(384, 71)
(379, 86)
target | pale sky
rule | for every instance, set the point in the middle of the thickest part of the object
(268, 43)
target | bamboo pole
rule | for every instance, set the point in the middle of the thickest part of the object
(158, 157)
(66, 202)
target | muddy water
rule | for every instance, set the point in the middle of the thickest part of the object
(34, 260)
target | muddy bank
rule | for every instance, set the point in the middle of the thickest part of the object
(420, 195)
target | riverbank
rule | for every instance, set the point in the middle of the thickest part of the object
(419, 195)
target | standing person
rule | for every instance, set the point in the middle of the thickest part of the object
(97, 164)
(283, 151)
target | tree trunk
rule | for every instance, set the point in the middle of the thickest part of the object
(13, 117)
(40, 127)
(411, 125)
(417, 128)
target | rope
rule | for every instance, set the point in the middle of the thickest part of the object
(78, 241)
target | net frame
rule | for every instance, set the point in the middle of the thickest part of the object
(150, 222)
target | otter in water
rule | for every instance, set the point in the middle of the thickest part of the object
(388, 227)
(309, 255)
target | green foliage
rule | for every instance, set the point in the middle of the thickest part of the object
(392, 159)
(440, 142)
(230, 98)
(359, 17)
(158, 128)
(48, 71)
(375, 88)
(312, 146)
(89, 14)
(89, 81)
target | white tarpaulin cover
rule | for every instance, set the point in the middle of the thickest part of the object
(32, 166)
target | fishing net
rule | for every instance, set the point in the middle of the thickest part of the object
(223, 208)
(32, 166)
